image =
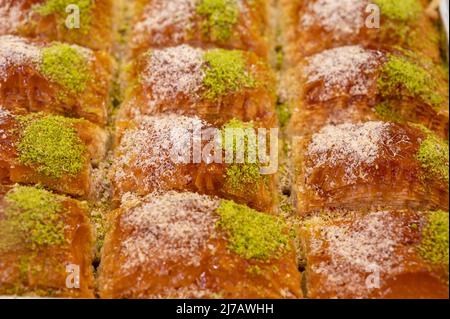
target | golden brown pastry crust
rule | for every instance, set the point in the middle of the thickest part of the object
(372, 255)
(24, 88)
(161, 23)
(20, 18)
(13, 171)
(196, 263)
(366, 166)
(342, 85)
(146, 160)
(170, 81)
(45, 273)
(313, 26)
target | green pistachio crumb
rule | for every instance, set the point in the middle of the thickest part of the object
(51, 145)
(32, 218)
(435, 238)
(284, 114)
(403, 10)
(225, 72)
(219, 16)
(401, 76)
(252, 235)
(242, 176)
(387, 112)
(433, 156)
(65, 65)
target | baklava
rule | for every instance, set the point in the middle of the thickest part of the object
(55, 78)
(351, 84)
(85, 22)
(313, 26)
(175, 152)
(186, 245)
(50, 150)
(46, 245)
(229, 24)
(370, 166)
(381, 254)
(216, 85)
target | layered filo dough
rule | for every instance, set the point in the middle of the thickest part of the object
(175, 152)
(313, 26)
(229, 24)
(85, 22)
(55, 78)
(352, 84)
(186, 245)
(50, 150)
(381, 254)
(371, 165)
(216, 85)
(46, 245)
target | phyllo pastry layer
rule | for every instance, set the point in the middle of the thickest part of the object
(351, 84)
(54, 77)
(313, 26)
(46, 245)
(85, 22)
(383, 254)
(216, 85)
(185, 245)
(371, 165)
(172, 152)
(50, 150)
(229, 24)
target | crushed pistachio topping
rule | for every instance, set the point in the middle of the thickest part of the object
(66, 65)
(403, 10)
(58, 8)
(242, 176)
(284, 114)
(435, 238)
(225, 72)
(433, 155)
(51, 145)
(219, 16)
(32, 218)
(401, 76)
(252, 235)
(387, 112)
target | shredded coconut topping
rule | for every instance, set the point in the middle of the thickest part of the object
(358, 249)
(11, 16)
(174, 71)
(174, 227)
(342, 18)
(162, 15)
(156, 146)
(343, 70)
(350, 145)
(16, 51)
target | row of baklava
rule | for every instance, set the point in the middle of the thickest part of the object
(367, 92)
(177, 228)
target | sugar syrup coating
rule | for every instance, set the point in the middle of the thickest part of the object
(371, 165)
(47, 20)
(374, 255)
(172, 246)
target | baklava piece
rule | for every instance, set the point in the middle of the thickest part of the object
(185, 245)
(313, 26)
(371, 166)
(351, 84)
(229, 24)
(50, 150)
(172, 152)
(46, 245)
(55, 78)
(85, 22)
(385, 254)
(216, 85)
